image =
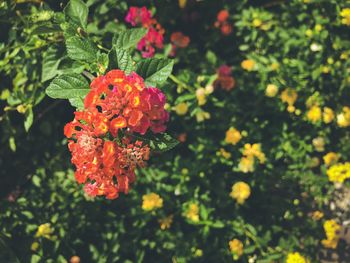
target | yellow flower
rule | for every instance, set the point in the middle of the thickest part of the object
(248, 64)
(289, 96)
(246, 164)
(34, 246)
(343, 119)
(21, 109)
(198, 253)
(318, 143)
(338, 173)
(308, 33)
(166, 222)
(181, 108)
(274, 66)
(314, 114)
(240, 192)
(328, 115)
(200, 94)
(44, 230)
(318, 27)
(317, 215)
(345, 14)
(271, 90)
(295, 258)
(331, 158)
(257, 22)
(192, 212)
(222, 152)
(182, 3)
(233, 136)
(254, 150)
(331, 228)
(202, 116)
(151, 201)
(291, 109)
(236, 247)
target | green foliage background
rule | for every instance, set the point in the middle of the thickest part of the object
(274, 221)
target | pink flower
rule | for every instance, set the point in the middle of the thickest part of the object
(138, 16)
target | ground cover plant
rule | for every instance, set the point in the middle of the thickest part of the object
(174, 131)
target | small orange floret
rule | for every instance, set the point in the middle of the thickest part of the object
(116, 124)
(223, 15)
(115, 76)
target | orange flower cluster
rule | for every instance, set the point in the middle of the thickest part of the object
(225, 79)
(178, 40)
(223, 23)
(101, 139)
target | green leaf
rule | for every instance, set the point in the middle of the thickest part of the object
(46, 29)
(77, 103)
(121, 59)
(68, 87)
(50, 64)
(162, 142)
(28, 119)
(6, 254)
(78, 12)
(128, 38)
(155, 71)
(81, 49)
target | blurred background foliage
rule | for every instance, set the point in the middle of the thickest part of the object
(288, 61)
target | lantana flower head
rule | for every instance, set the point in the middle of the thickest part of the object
(225, 79)
(151, 202)
(295, 257)
(141, 16)
(240, 192)
(138, 16)
(223, 23)
(101, 136)
(331, 228)
(236, 247)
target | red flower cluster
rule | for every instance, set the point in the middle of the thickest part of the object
(223, 23)
(101, 140)
(141, 16)
(178, 40)
(225, 79)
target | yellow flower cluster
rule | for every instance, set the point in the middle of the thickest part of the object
(318, 143)
(202, 116)
(166, 222)
(248, 64)
(343, 119)
(201, 96)
(192, 212)
(236, 247)
(271, 90)
(222, 152)
(331, 228)
(240, 192)
(233, 136)
(314, 114)
(250, 152)
(296, 258)
(331, 158)
(181, 108)
(328, 115)
(317, 215)
(44, 230)
(338, 173)
(345, 14)
(289, 96)
(151, 201)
